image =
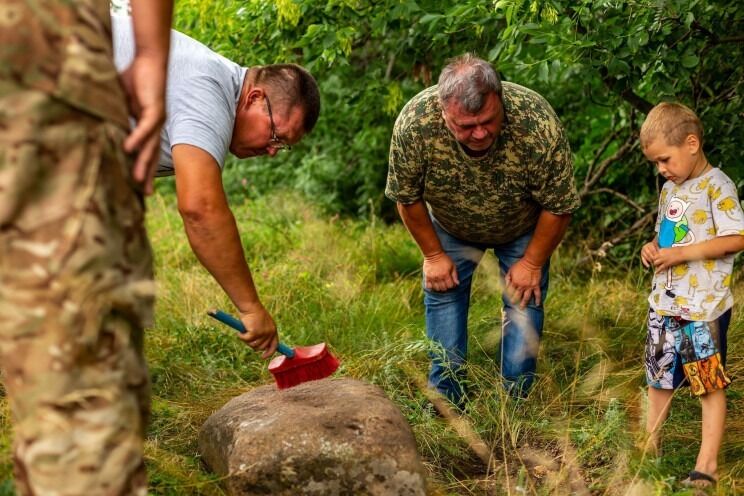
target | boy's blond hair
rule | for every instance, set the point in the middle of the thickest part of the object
(672, 121)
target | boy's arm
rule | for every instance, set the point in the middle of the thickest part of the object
(706, 250)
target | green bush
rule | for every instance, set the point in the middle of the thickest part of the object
(601, 64)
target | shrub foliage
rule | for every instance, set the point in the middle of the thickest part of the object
(601, 64)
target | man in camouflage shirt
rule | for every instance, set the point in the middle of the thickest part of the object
(76, 283)
(492, 164)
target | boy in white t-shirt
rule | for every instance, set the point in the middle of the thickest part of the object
(699, 229)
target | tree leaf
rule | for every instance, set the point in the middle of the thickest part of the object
(690, 60)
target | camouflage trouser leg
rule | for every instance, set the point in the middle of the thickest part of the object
(75, 291)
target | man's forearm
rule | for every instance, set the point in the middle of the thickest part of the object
(416, 218)
(151, 20)
(548, 234)
(215, 240)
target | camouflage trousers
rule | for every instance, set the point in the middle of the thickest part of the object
(76, 290)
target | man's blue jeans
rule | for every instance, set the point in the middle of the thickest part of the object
(447, 320)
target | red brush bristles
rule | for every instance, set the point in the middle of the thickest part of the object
(310, 363)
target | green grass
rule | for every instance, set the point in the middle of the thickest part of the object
(356, 285)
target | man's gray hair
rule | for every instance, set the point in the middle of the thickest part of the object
(468, 79)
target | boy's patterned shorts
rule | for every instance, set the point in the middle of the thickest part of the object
(681, 352)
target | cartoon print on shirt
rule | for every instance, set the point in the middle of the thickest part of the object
(674, 231)
(728, 206)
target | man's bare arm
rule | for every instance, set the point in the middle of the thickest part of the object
(523, 279)
(440, 272)
(213, 235)
(145, 82)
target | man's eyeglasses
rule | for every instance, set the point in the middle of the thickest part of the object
(274, 141)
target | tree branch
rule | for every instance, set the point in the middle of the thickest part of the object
(713, 38)
(730, 39)
(389, 68)
(601, 252)
(623, 197)
(636, 101)
(600, 152)
(626, 94)
(591, 181)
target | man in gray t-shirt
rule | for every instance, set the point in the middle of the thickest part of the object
(215, 105)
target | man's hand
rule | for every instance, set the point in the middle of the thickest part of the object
(144, 83)
(260, 330)
(648, 253)
(440, 272)
(523, 282)
(669, 257)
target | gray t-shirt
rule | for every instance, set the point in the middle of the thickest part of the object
(202, 94)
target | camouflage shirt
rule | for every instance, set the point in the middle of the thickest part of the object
(491, 199)
(62, 48)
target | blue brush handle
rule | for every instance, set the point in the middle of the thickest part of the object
(236, 324)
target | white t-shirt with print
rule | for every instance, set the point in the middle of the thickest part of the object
(697, 210)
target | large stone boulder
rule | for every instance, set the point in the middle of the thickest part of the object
(327, 437)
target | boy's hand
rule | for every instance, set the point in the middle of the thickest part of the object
(649, 253)
(669, 257)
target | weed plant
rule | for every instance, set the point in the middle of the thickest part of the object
(356, 285)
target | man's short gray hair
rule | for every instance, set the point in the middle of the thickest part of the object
(468, 79)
